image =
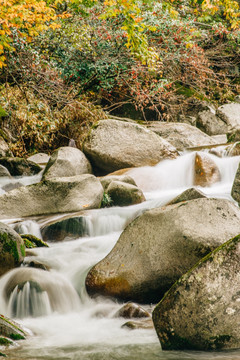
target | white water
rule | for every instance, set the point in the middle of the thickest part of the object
(73, 326)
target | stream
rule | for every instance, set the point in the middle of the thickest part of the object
(65, 322)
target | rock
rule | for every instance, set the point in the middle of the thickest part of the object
(160, 245)
(4, 172)
(186, 119)
(140, 324)
(206, 171)
(106, 180)
(236, 186)
(11, 329)
(58, 195)
(189, 194)
(132, 310)
(202, 309)
(12, 249)
(20, 167)
(230, 114)
(211, 124)
(70, 228)
(36, 264)
(233, 135)
(237, 99)
(39, 158)
(67, 161)
(113, 145)
(233, 149)
(220, 139)
(4, 149)
(123, 194)
(11, 186)
(181, 135)
(31, 241)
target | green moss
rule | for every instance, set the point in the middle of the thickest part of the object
(22, 248)
(3, 113)
(28, 244)
(2, 354)
(106, 200)
(10, 246)
(220, 341)
(17, 337)
(11, 323)
(5, 342)
(32, 241)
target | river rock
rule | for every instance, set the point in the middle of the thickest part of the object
(39, 158)
(113, 145)
(132, 310)
(4, 149)
(106, 180)
(31, 241)
(67, 161)
(211, 124)
(189, 194)
(146, 324)
(206, 171)
(123, 194)
(181, 135)
(11, 329)
(202, 309)
(4, 172)
(230, 114)
(12, 249)
(236, 186)
(58, 195)
(160, 245)
(70, 228)
(20, 167)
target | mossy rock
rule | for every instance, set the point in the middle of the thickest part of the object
(20, 167)
(11, 329)
(31, 241)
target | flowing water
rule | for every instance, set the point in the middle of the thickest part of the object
(67, 324)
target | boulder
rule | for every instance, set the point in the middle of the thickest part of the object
(189, 194)
(160, 245)
(230, 114)
(4, 172)
(67, 161)
(12, 249)
(20, 167)
(132, 310)
(114, 145)
(106, 180)
(70, 228)
(181, 135)
(206, 171)
(146, 324)
(123, 194)
(236, 186)
(4, 149)
(202, 310)
(211, 124)
(58, 195)
(39, 158)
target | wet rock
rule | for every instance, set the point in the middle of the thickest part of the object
(11, 329)
(114, 145)
(4, 172)
(233, 135)
(235, 192)
(211, 124)
(181, 135)
(233, 149)
(58, 195)
(11, 186)
(4, 149)
(230, 114)
(12, 249)
(31, 241)
(106, 180)
(36, 264)
(132, 310)
(189, 194)
(202, 309)
(160, 245)
(67, 161)
(140, 324)
(70, 228)
(206, 171)
(123, 194)
(20, 167)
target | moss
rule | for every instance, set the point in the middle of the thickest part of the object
(32, 241)
(17, 337)
(5, 341)
(2, 354)
(3, 113)
(28, 244)
(10, 246)
(11, 323)
(220, 341)
(106, 200)
(22, 248)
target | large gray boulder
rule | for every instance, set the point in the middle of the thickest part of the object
(67, 161)
(12, 249)
(202, 310)
(161, 245)
(114, 145)
(39, 158)
(124, 194)
(181, 135)
(230, 114)
(58, 195)
(211, 124)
